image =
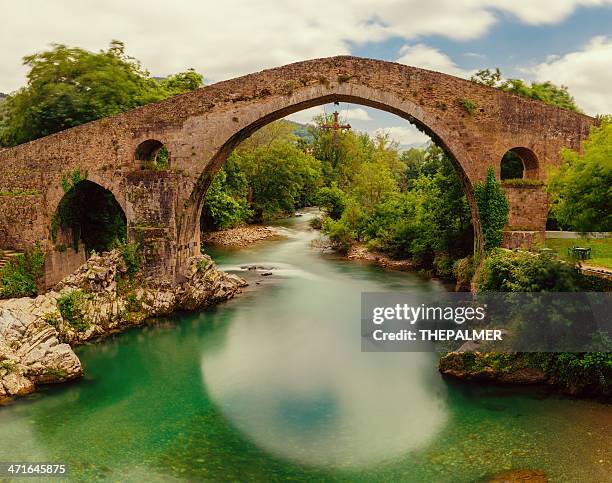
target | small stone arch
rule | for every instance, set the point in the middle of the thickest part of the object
(152, 154)
(519, 163)
(87, 217)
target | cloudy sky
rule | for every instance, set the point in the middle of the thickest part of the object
(566, 41)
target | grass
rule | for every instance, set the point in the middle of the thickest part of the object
(601, 249)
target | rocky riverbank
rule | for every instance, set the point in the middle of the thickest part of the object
(574, 374)
(360, 252)
(240, 236)
(99, 299)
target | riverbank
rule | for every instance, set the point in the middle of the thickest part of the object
(101, 298)
(361, 252)
(583, 375)
(240, 236)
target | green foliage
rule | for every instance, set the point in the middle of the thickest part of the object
(546, 92)
(225, 204)
(579, 372)
(281, 178)
(52, 318)
(71, 306)
(333, 200)
(582, 188)
(8, 365)
(521, 271)
(203, 265)
(67, 87)
(90, 213)
(339, 234)
(19, 276)
(131, 254)
(463, 271)
(162, 160)
(468, 105)
(422, 214)
(492, 210)
(511, 166)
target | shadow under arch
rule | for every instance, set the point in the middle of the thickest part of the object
(90, 214)
(433, 126)
(519, 157)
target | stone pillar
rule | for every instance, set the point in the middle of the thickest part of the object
(526, 226)
(151, 206)
(528, 205)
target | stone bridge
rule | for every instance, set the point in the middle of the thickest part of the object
(475, 124)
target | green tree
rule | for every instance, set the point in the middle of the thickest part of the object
(68, 86)
(225, 204)
(582, 188)
(492, 210)
(373, 182)
(281, 178)
(333, 200)
(546, 92)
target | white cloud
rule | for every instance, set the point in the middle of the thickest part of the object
(356, 114)
(405, 135)
(223, 39)
(421, 55)
(306, 116)
(587, 73)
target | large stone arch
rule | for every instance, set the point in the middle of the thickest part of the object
(274, 109)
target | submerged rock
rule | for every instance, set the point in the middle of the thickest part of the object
(35, 335)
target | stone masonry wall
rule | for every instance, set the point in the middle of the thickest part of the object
(528, 207)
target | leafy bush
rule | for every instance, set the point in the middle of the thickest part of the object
(131, 253)
(52, 318)
(492, 210)
(339, 234)
(226, 202)
(579, 371)
(316, 223)
(582, 188)
(468, 105)
(332, 200)
(19, 276)
(520, 271)
(463, 270)
(71, 306)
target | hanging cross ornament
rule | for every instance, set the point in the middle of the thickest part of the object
(335, 126)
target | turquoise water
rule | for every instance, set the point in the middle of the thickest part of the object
(272, 386)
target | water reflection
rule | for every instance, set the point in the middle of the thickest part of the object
(291, 376)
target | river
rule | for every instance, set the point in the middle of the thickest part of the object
(273, 386)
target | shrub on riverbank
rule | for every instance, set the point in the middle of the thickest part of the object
(521, 271)
(18, 278)
(71, 306)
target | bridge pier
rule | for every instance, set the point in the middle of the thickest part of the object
(151, 207)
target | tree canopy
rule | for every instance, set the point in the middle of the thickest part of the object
(582, 188)
(69, 86)
(546, 92)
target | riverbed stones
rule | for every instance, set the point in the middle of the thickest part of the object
(240, 236)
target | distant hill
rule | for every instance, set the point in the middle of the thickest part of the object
(300, 130)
